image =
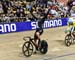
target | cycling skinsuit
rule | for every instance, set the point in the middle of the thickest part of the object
(40, 23)
(71, 24)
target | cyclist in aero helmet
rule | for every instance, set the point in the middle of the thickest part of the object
(71, 25)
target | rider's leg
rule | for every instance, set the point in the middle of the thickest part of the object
(36, 39)
(72, 32)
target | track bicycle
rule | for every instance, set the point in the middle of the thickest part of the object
(69, 38)
(28, 46)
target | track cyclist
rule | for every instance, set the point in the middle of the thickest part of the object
(71, 26)
(40, 21)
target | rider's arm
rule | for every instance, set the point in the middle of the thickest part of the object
(46, 13)
(33, 15)
(31, 11)
(43, 19)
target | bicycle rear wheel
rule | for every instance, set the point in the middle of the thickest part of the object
(27, 48)
(44, 47)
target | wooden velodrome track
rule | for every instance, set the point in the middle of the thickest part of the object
(11, 46)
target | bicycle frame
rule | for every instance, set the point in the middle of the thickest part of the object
(30, 39)
(30, 43)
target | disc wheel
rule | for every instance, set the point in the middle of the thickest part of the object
(44, 47)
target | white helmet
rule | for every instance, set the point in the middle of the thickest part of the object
(70, 21)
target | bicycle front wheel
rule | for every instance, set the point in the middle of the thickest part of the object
(27, 48)
(68, 40)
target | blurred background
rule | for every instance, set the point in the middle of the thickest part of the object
(17, 11)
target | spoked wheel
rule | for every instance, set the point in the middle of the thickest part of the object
(44, 47)
(68, 40)
(27, 48)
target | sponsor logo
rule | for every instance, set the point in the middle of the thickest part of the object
(48, 24)
(7, 27)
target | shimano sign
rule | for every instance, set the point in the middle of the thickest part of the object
(7, 28)
(48, 23)
(52, 23)
(30, 25)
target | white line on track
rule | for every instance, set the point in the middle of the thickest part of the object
(51, 58)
